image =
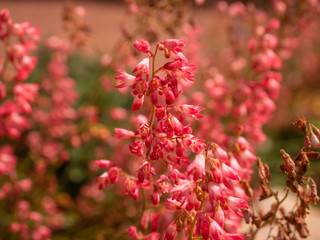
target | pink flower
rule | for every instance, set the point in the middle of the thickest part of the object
(143, 131)
(219, 215)
(170, 97)
(139, 120)
(155, 221)
(133, 233)
(154, 88)
(113, 174)
(174, 45)
(142, 68)
(131, 188)
(236, 236)
(103, 163)
(193, 202)
(171, 232)
(220, 153)
(137, 103)
(123, 133)
(315, 142)
(175, 124)
(118, 113)
(3, 89)
(142, 46)
(146, 171)
(236, 204)
(198, 165)
(125, 79)
(25, 184)
(15, 227)
(7, 160)
(195, 144)
(215, 193)
(216, 231)
(229, 172)
(192, 110)
(144, 222)
(153, 236)
(139, 87)
(203, 224)
(155, 197)
(103, 180)
(273, 25)
(269, 41)
(217, 175)
(136, 148)
(160, 113)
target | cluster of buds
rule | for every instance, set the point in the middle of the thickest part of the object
(15, 66)
(287, 224)
(54, 108)
(247, 84)
(199, 197)
(27, 218)
(165, 18)
(18, 39)
(53, 121)
(74, 23)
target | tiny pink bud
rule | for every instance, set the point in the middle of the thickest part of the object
(137, 103)
(170, 97)
(155, 221)
(155, 197)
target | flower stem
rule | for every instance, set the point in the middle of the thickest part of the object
(195, 221)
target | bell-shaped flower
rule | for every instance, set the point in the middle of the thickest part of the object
(125, 79)
(142, 68)
(142, 46)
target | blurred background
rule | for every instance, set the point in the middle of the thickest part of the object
(81, 207)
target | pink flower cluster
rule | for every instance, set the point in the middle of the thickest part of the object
(200, 197)
(25, 216)
(15, 67)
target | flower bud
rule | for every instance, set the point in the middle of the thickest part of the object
(171, 232)
(133, 233)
